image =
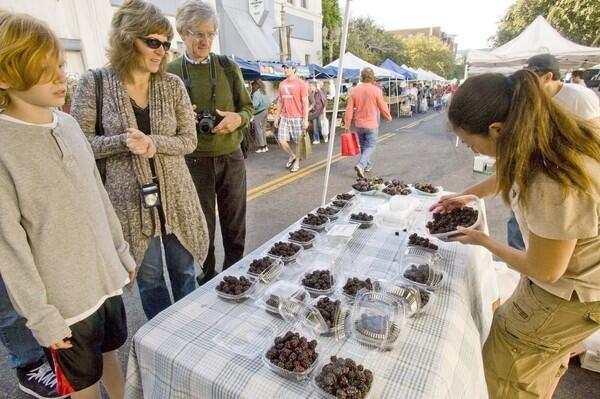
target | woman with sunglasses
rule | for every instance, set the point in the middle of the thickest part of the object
(148, 126)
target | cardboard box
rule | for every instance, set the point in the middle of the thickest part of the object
(590, 360)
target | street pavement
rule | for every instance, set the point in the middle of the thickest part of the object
(421, 148)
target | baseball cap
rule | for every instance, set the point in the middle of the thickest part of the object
(289, 66)
(544, 63)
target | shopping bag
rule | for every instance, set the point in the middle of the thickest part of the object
(305, 146)
(350, 145)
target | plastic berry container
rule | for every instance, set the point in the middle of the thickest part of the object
(333, 215)
(363, 224)
(333, 278)
(438, 190)
(306, 244)
(472, 202)
(318, 228)
(286, 259)
(339, 317)
(282, 290)
(325, 395)
(308, 323)
(239, 297)
(350, 298)
(271, 272)
(431, 277)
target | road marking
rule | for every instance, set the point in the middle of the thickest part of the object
(416, 123)
(292, 177)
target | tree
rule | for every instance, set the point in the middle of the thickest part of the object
(429, 53)
(331, 27)
(577, 20)
(370, 42)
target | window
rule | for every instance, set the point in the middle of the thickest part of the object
(306, 59)
(304, 3)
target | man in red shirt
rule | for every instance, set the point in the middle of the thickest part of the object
(364, 102)
(292, 115)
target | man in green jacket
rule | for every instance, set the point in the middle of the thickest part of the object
(223, 108)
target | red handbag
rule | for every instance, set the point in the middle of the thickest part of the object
(350, 145)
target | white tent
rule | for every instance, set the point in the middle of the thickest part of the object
(423, 74)
(538, 38)
(352, 61)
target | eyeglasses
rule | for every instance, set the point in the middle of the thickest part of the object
(202, 35)
(155, 43)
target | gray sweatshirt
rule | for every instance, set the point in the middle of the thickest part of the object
(62, 250)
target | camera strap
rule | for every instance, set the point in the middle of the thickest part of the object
(213, 80)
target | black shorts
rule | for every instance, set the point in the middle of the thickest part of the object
(104, 331)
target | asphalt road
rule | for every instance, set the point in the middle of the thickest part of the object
(415, 149)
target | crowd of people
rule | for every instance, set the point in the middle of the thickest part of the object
(150, 158)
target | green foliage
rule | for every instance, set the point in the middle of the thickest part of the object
(331, 14)
(577, 20)
(370, 42)
(429, 53)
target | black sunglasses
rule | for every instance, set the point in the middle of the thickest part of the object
(155, 43)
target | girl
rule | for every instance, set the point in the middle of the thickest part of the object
(548, 170)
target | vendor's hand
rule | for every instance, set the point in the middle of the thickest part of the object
(470, 236)
(131, 276)
(137, 142)
(150, 151)
(305, 124)
(64, 344)
(231, 121)
(448, 202)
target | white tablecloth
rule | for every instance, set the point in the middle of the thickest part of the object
(184, 352)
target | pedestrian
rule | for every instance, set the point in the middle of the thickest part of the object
(316, 111)
(223, 109)
(148, 128)
(548, 170)
(364, 104)
(577, 78)
(291, 119)
(261, 104)
(63, 258)
(324, 121)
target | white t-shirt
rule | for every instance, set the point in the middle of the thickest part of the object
(579, 100)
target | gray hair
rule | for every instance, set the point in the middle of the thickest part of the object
(192, 12)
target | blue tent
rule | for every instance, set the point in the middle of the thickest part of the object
(392, 66)
(318, 72)
(250, 69)
(347, 74)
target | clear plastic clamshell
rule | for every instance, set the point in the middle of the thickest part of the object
(326, 395)
(318, 279)
(308, 323)
(409, 294)
(271, 272)
(472, 202)
(330, 211)
(420, 270)
(286, 259)
(282, 290)
(241, 297)
(319, 227)
(376, 320)
(352, 283)
(244, 334)
(335, 320)
(305, 244)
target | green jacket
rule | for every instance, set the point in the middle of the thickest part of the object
(212, 145)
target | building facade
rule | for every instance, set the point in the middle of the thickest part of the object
(247, 28)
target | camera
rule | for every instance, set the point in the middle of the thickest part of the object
(150, 195)
(205, 122)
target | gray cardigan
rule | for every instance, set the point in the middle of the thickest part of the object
(174, 133)
(61, 248)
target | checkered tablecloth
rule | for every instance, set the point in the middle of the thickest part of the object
(198, 347)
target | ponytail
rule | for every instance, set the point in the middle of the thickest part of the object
(537, 136)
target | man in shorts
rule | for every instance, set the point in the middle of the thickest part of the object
(292, 115)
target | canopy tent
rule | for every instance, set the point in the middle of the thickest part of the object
(250, 69)
(392, 66)
(347, 73)
(422, 74)
(352, 61)
(318, 72)
(538, 38)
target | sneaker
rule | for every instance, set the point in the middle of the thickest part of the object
(38, 380)
(316, 142)
(265, 149)
(259, 150)
(326, 139)
(359, 171)
(368, 170)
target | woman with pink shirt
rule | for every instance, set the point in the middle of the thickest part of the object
(365, 101)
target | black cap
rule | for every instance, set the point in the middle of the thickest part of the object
(544, 63)
(289, 66)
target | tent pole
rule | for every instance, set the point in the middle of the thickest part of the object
(336, 101)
